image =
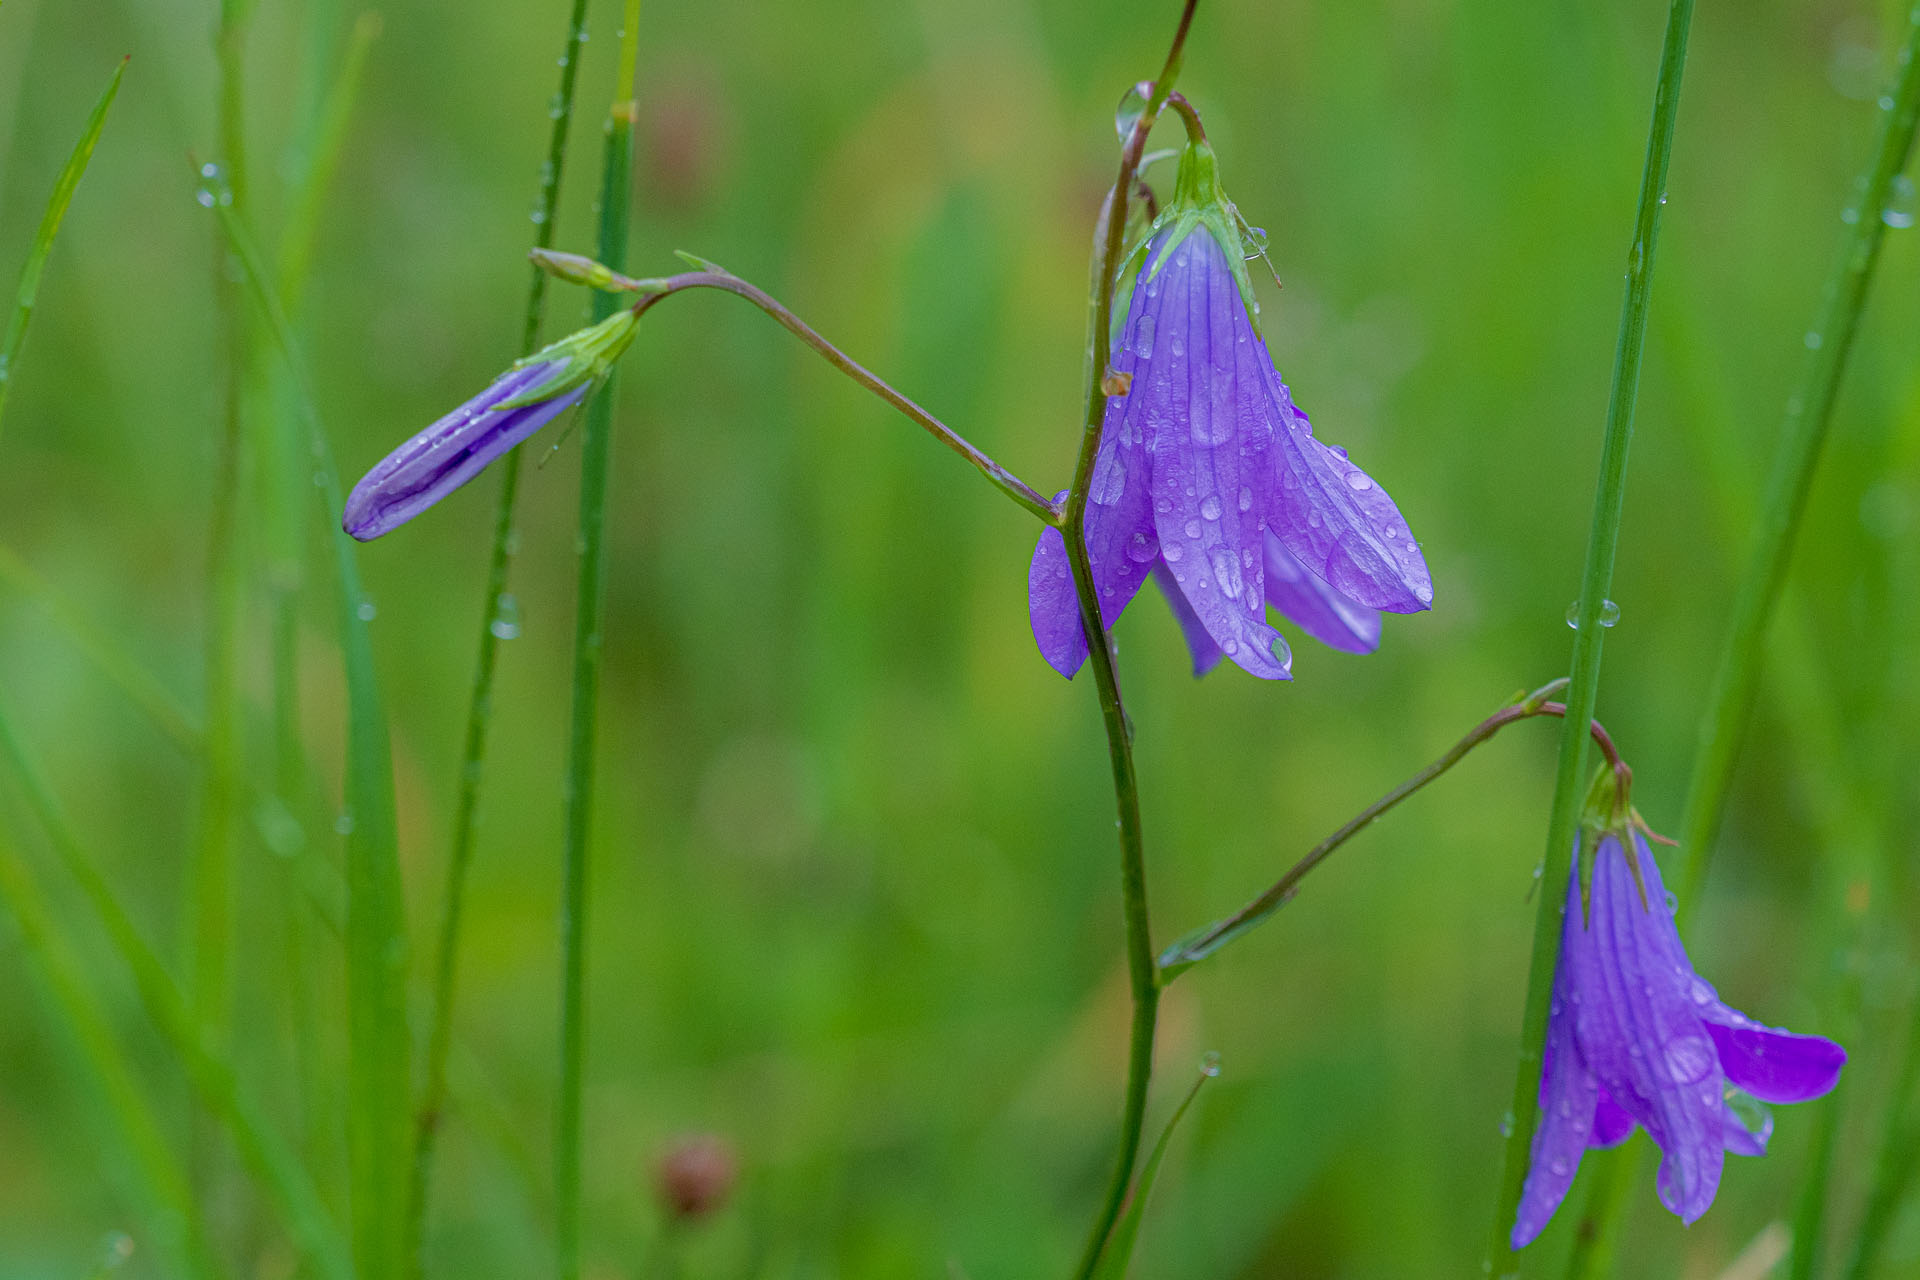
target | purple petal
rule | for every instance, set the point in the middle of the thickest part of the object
(1611, 1123)
(1206, 654)
(1315, 607)
(1771, 1064)
(1208, 435)
(1568, 1094)
(1337, 521)
(1638, 1031)
(1121, 548)
(1052, 609)
(451, 452)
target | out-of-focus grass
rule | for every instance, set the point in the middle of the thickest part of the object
(855, 900)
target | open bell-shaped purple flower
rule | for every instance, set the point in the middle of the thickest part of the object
(1210, 480)
(1636, 1037)
(461, 445)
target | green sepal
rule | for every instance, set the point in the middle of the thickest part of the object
(1199, 202)
(584, 356)
(1608, 811)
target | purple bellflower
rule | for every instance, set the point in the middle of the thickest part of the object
(460, 446)
(1209, 479)
(1636, 1037)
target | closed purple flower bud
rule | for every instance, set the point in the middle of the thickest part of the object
(1636, 1037)
(1209, 479)
(460, 446)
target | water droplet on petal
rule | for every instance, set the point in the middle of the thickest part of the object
(1210, 508)
(1226, 567)
(1171, 552)
(1142, 547)
(1689, 1058)
(1246, 498)
(1193, 528)
(1358, 481)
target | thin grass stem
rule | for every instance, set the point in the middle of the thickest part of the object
(1584, 674)
(1803, 435)
(28, 289)
(267, 1157)
(379, 1142)
(590, 608)
(107, 1073)
(466, 805)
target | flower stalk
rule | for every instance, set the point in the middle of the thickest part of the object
(1205, 941)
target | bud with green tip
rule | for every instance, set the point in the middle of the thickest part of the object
(459, 447)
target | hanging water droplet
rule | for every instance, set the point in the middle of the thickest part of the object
(1254, 241)
(343, 825)
(1813, 340)
(212, 188)
(1133, 105)
(1506, 1125)
(1609, 614)
(1899, 209)
(1210, 1064)
(506, 618)
(366, 611)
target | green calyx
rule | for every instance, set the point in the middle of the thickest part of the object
(1199, 203)
(579, 357)
(1609, 811)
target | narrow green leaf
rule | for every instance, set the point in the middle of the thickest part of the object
(107, 1074)
(1126, 1232)
(265, 1153)
(378, 1084)
(29, 288)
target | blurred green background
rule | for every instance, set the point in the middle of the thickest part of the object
(857, 904)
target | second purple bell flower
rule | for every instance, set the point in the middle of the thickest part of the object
(1211, 481)
(1636, 1037)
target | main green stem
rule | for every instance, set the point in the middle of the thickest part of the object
(616, 184)
(1143, 973)
(1802, 436)
(480, 701)
(1584, 676)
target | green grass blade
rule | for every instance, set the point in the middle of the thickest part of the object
(1583, 689)
(310, 185)
(269, 1160)
(378, 1083)
(615, 187)
(1126, 1232)
(107, 1074)
(29, 288)
(480, 700)
(119, 666)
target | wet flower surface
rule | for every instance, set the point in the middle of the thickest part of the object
(1210, 480)
(452, 451)
(461, 445)
(1636, 1037)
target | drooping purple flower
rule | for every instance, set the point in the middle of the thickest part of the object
(460, 446)
(1636, 1037)
(1209, 479)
